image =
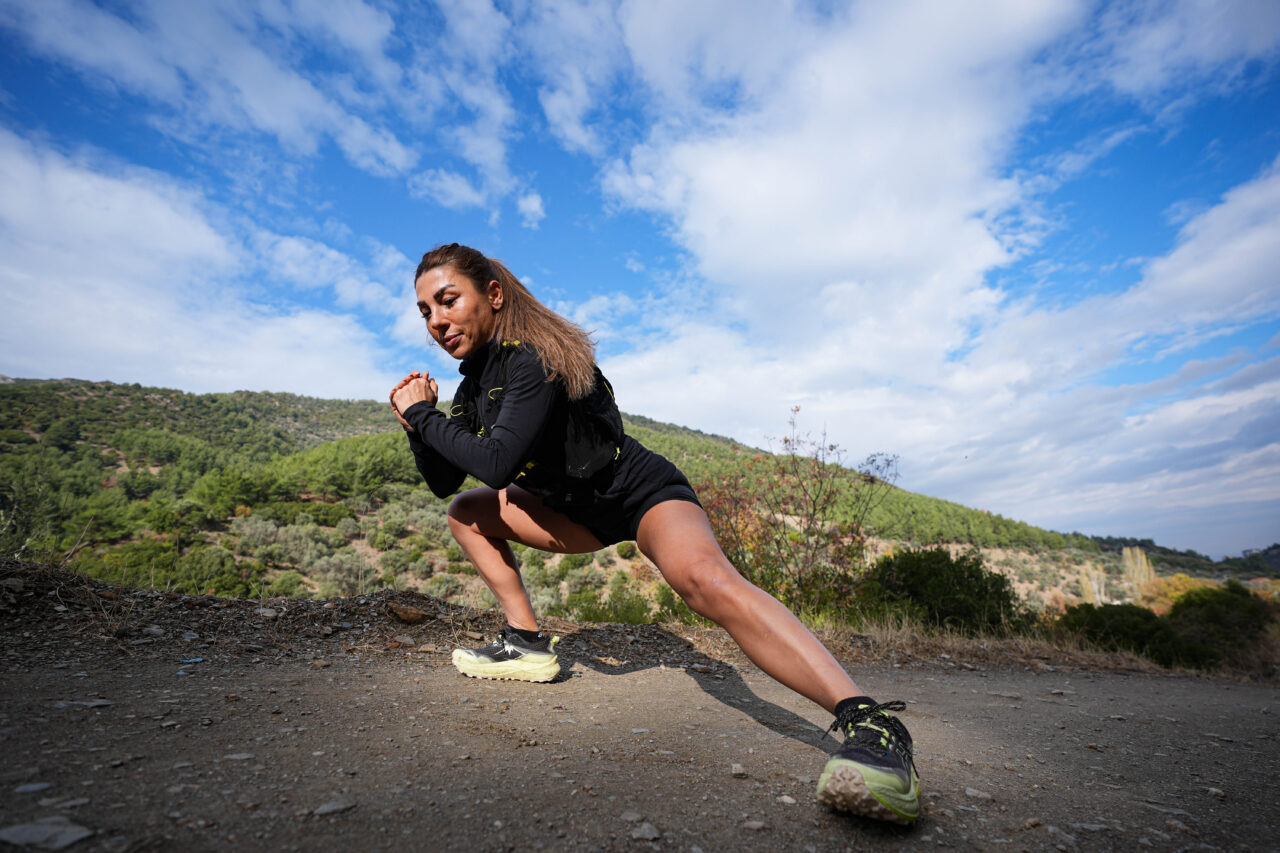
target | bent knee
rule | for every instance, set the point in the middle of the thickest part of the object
(469, 508)
(709, 585)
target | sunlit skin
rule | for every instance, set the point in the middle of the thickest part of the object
(460, 317)
(675, 535)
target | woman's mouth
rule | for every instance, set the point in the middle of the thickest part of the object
(451, 341)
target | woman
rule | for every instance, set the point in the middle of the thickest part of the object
(535, 421)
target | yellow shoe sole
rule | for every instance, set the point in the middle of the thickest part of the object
(535, 667)
(861, 790)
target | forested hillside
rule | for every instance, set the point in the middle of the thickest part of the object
(263, 493)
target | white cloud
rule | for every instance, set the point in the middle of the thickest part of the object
(531, 212)
(1148, 45)
(209, 63)
(447, 189)
(112, 273)
(848, 208)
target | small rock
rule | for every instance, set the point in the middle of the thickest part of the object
(1031, 823)
(190, 635)
(12, 585)
(737, 771)
(429, 647)
(238, 756)
(631, 816)
(403, 639)
(974, 793)
(33, 787)
(791, 801)
(639, 731)
(407, 613)
(1217, 792)
(753, 825)
(334, 807)
(473, 635)
(1065, 836)
(153, 630)
(319, 664)
(700, 667)
(646, 832)
(50, 833)
(266, 612)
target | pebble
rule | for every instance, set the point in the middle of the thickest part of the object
(334, 807)
(190, 635)
(403, 639)
(753, 825)
(639, 731)
(1217, 792)
(1031, 823)
(50, 833)
(737, 771)
(33, 787)
(976, 794)
(429, 647)
(266, 612)
(238, 756)
(631, 816)
(13, 585)
(646, 832)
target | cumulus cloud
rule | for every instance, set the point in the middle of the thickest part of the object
(531, 212)
(847, 211)
(125, 273)
(447, 189)
(211, 65)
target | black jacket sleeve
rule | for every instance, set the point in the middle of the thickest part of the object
(442, 478)
(497, 457)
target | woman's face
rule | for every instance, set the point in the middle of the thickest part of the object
(460, 317)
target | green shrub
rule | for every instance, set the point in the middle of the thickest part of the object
(627, 550)
(1136, 629)
(621, 605)
(462, 568)
(15, 436)
(1225, 618)
(453, 553)
(395, 561)
(533, 558)
(288, 584)
(288, 512)
(569, 562)
(579, 579)
(950, 592)
(443, 586)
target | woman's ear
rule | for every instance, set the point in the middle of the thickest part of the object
(496, 295)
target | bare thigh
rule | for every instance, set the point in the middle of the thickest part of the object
(517, 516)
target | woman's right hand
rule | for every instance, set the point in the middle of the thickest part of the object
(413, 375)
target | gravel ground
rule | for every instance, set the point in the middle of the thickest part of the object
(139, 720)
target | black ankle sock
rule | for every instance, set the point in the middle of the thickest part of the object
(527, 636)
(853, 702)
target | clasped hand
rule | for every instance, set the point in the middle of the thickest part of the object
(417, 387)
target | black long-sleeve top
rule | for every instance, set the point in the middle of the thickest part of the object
(499, 429)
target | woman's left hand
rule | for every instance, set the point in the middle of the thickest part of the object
(414, 389)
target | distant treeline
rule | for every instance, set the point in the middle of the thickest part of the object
(88, 464)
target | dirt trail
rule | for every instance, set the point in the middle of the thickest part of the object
(298, 738)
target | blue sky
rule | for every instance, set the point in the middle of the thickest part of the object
(1031, 248)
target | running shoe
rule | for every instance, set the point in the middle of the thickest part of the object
(873, 774)
(511, 657)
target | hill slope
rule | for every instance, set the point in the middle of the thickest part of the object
(248, 492)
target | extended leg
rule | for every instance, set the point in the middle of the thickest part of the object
(677, 537)
(485, 520)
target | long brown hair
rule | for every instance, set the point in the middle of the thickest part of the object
(567, 351)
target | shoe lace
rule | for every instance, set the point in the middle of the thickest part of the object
(873, 727)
